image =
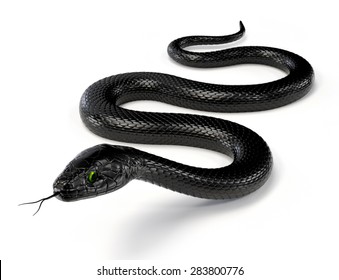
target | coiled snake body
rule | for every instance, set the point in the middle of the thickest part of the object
(105, 168)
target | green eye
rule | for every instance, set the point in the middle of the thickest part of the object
(92, 176)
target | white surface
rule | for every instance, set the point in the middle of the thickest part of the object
(51, 52)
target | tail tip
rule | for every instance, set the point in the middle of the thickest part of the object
(242, 26)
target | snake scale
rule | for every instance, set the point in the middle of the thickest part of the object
(105, 168)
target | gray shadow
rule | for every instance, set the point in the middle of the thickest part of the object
(143, 234)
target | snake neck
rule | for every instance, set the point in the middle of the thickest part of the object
(226, 182)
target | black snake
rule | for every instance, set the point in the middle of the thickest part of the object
(106, 168)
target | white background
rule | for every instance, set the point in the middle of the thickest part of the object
(52, 51)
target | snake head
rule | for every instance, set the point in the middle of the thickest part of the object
(95, 171)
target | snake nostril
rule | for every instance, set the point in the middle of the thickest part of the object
(61, 184)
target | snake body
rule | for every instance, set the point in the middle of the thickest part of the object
(105, 168)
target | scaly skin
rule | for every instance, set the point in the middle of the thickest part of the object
(104, 168)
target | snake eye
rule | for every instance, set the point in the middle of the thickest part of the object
(92, 176)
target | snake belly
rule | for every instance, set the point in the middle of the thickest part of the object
(101, 111)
